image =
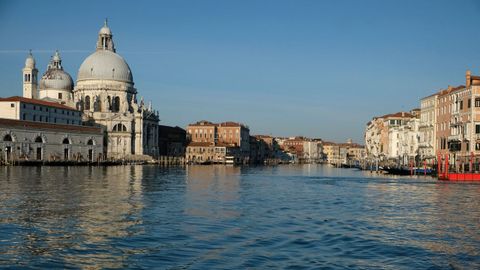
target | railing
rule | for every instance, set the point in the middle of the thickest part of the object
(461, 168)
(457, 137)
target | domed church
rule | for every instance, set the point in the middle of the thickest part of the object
(105, 94)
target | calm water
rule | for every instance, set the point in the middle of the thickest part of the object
(216, 217)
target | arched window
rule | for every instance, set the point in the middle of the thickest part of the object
(7, 138)
(38, 139)
(90, 142)
(97, 106)
(66, 141)
(116, 104)
(87, 103)
(120, 127)
(26, 78)
(109, 103)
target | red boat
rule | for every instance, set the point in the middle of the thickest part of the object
(445, 174)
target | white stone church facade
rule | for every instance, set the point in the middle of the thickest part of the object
(105, 95)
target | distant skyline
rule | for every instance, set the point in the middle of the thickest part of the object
(284, 68)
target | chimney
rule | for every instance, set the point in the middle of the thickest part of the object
(468, 77)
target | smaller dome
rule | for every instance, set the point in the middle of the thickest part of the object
(30, 61)
(56, 79)
(105, 31)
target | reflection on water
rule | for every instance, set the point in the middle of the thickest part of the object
(221, 217)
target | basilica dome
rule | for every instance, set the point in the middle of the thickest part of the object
(55, 77)
(105, 65)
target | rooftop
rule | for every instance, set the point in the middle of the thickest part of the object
(37, 102)
(10, 123)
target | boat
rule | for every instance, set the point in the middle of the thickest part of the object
(398, 171)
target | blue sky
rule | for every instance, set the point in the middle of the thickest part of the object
(311, 68)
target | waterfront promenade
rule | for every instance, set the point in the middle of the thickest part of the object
(226, 217)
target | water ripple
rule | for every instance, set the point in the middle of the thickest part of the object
(217, 217)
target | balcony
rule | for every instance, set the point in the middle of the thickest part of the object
(458, 137)
(424, 145)
(457, 124)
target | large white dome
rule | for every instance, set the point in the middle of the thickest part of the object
(105, 65)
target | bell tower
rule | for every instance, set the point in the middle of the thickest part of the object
(30, 74)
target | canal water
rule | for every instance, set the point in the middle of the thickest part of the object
(218, 217)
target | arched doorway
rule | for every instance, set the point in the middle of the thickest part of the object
(38, 151)
(8, 148)
(66, 149)
(90, 150)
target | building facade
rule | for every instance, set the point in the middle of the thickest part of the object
(105, 95)
(387, 137)
(227, 142)
(427, 140)
(20, 108)
(41, 141)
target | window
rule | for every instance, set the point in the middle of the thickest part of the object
(39, 139)
(24, 117)
(469, 103)
(41, 118)
(34, 118)
(41, 109)
(24, 106)
(66, 141)
(46, 119)
(34, 107)
(119, 127)
(46, 109)
(461, 105)
(59, 95)
(87, 103)
(116, 104)
(7, 138)
(12, 105)
(477, 129)
(477, 102)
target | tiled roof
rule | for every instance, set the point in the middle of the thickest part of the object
(450, 90)
(203, 123)
(263, 136)
(398, 114)
(37, 102)
(229, 124)
(10, 123)
(329, 143)
(200, 144)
